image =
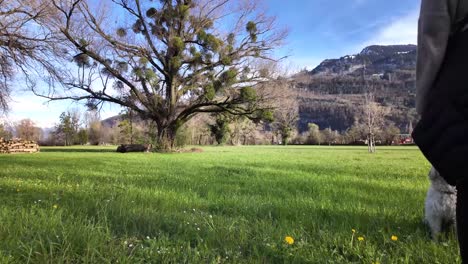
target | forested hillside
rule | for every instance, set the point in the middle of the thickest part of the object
(332, 94)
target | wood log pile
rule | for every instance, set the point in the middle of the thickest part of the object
(18, 146)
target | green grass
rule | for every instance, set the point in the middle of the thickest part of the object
(226, 205)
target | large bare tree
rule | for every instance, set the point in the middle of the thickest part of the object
(166, 60)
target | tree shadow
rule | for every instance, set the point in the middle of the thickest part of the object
(139, 214)
(77, 150)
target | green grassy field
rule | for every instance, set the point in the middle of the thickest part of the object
(225, 205)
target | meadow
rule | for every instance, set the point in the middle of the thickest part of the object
(267, 204)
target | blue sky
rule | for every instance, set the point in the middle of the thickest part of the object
(319, 30)
(323, 29)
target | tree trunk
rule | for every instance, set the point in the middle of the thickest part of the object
(371, 143)
(166, 139)
(284, 138)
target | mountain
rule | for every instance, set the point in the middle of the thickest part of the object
(372, 60)
(112, 122)
(332, 93)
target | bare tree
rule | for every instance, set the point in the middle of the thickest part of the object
(286, 113)
(389, 134)
(374, 119)
(199, 130)
(94, 126)
(4, 132)
(239, 128)
(22, 41)
(26, 129)
(166, 60)
(356, 132)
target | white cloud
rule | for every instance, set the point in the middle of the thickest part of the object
(401, 30)
(46, 114)
(26, 105)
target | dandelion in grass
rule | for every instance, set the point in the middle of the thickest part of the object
(289, 240)
(360, 238)
(353, 230)
(394, 238)
(55, 206)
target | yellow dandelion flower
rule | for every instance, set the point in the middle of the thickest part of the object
(360, 238)
(289, 240)
(55, 206)
(394, 238)
(354, 230)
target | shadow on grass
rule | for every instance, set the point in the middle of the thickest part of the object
(78, 150)
(140, 215)
(335, 147)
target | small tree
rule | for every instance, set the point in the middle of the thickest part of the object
(286, 113)
(241, 130)
(389, 134)
(94, 126)
(128, 127)
(315, 136)
(68, 127)
(329, 136)
(82, 136)
(125, 132)
(26, 129)
(220, 129)
(355, 133)
(374, 118)
(4, 132)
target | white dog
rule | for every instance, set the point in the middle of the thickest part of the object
(440, 205)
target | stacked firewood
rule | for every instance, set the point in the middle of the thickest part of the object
(18, 146)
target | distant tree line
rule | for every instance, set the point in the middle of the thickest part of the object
(74, 128)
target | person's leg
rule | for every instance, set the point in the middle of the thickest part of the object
(462, 218)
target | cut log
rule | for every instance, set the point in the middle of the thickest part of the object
(133, 148)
